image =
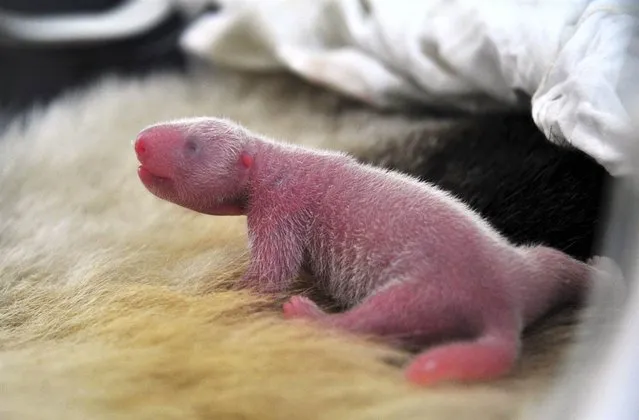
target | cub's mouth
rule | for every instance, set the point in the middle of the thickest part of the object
(149, 178)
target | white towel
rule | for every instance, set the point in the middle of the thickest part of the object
(568, 56)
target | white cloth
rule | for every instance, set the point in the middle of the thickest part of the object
(567, 55)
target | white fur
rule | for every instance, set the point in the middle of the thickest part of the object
(113, 303)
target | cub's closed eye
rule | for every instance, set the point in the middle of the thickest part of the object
(191, 146)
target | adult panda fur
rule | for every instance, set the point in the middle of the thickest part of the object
(114, 304)
(532, 190)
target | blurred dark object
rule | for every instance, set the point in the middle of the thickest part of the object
(34, 74)
(41, 7)
(533, 191)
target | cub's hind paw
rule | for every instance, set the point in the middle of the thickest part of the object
(301, 307)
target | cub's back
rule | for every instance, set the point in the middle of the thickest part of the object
(379, 205)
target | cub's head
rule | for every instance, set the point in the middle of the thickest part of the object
(198, 163)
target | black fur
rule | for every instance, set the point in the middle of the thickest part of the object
(531, 190)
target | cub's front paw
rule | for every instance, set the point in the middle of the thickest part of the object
(301, 307)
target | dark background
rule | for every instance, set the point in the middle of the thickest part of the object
(35, 74)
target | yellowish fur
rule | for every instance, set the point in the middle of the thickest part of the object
(115, 304)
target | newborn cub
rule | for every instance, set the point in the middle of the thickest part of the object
(411, 262)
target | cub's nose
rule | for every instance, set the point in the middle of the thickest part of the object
(158, 151)
(157, 143)
(141, 147)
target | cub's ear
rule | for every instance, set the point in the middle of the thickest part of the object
(246, 159)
